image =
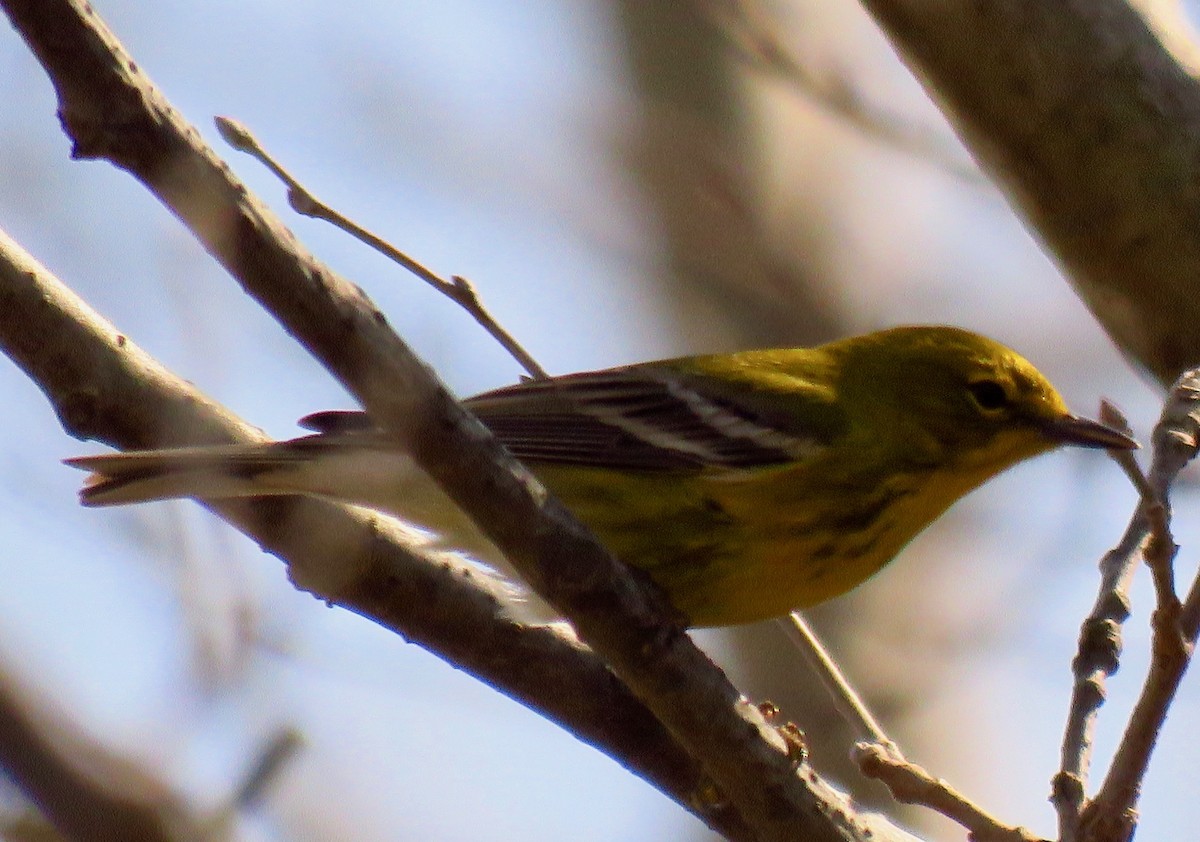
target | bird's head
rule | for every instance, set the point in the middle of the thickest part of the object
(946, 394)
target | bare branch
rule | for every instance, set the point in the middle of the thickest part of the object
(103, 386)
(911, 784)
(1098, 658)
(749, 29)
(1112, 814)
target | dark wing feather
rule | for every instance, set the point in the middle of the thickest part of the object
(333, 421)
(637, 418)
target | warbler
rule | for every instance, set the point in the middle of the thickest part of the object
(747, 485)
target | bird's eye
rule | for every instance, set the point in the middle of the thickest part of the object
(988, 395)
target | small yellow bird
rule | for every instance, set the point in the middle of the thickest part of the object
(747, 485)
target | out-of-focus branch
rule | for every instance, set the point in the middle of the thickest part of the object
(81, 787)
(103, 386)
(751, 31)
(1087, 114)
(691, 152)
(111, 110)
(271, 760)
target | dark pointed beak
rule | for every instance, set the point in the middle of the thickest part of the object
(1083, 432)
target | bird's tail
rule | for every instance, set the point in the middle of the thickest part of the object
(350, 467)
(347, 468)
(202, 472)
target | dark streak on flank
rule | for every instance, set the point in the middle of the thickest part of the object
(863, 516)
(862, 548)
(715, 510)
(823, 552)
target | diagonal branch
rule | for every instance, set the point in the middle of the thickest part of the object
(83, 789)
(1087, 114)
(103, 386)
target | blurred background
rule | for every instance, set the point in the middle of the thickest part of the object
(622, 181)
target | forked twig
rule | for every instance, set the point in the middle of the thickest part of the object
(1112, 815)
(879, 757)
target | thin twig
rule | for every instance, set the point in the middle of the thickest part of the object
(457, 288)
(846, 700)
(881, 759)
(1097, 659)
(1099, 646)
(1159, 553)
(1111, 415)
(1189, 614)
(272, 759)
(270, 762)
(1112, 814)
(910, 784)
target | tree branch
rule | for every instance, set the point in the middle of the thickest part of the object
(83, 789)
(104, 387)
(1112, 814)
(1090, 123)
